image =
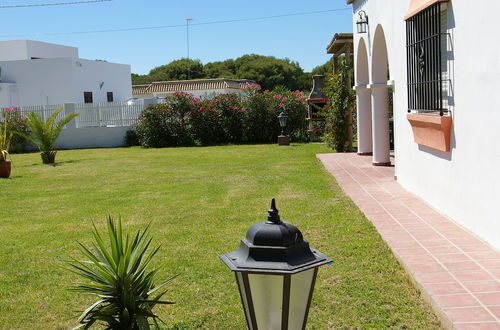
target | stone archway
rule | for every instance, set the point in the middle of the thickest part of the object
(363, 101)
(380, 101)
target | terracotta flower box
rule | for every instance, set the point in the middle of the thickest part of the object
(431, 130)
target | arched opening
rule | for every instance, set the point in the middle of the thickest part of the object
(380, 100)
(363, 101)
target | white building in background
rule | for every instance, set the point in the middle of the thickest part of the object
(39, 73)
(441, 60)
(195, 87)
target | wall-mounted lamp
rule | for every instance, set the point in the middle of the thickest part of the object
(362, 22)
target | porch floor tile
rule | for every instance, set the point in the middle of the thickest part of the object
(457, 271)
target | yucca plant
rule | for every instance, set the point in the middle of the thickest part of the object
(44, 133)
(119, 276)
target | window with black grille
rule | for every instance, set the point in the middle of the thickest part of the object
(424, 42)
(109, 96)
(87, 97)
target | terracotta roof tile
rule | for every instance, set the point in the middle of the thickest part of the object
(190, 85)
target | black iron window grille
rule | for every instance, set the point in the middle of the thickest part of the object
(426, 78)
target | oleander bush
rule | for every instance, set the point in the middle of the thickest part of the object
(17, 123)
(184, 120)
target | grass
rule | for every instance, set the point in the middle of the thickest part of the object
(200, 201)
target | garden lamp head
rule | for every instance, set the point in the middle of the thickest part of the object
(275, 271)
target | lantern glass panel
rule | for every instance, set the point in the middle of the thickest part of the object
(300, 288)
(267, 298)
(244, 298)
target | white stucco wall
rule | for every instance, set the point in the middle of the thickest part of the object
(89, 74)
(92, 137)
(13, 50)
(464, 183)
(61, 80)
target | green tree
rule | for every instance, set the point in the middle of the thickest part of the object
(267, 71)
(270, 72)
(223, 69)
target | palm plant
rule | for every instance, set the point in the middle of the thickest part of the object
(44, 133)
(119, 277)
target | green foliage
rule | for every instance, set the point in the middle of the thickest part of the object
(224, 118)
(167, 124)
(183, 69)
(338, 110)
(267, 71)
(120, 278)
(131, 138)
(44, 133)
(17, 123)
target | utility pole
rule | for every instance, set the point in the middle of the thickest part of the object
(187, 39)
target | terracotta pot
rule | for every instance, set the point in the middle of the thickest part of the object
(5, 166)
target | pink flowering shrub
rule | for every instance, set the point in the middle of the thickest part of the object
(167, 124)
(17, 123)
(224, 118)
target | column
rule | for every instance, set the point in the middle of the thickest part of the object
(380, 125)
(364, 120)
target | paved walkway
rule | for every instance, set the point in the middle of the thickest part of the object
(458, 273)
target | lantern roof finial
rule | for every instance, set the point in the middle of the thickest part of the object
(274, 215)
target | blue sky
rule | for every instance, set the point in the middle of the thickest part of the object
(301, 38)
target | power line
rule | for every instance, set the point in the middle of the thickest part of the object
(178, 25)
(52, 4)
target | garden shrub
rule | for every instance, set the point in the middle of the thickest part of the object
(230, 112)
(167, 124)
(152, 129)
(263, 108)
(17, 123)
(206, 124)
(225, 118)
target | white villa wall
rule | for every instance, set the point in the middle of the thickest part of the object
(464, 183)
(40, 82)
(89, 74)
(26, 49)
(92, 137)
(62, 80)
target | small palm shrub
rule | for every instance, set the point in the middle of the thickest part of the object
(119, 276)
(44, 133)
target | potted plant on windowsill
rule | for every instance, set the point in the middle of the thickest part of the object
(5, 139)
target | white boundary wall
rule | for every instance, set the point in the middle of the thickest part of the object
(464, 183)
(99, 125)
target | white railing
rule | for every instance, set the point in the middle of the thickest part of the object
(107, 114)
(44, 111)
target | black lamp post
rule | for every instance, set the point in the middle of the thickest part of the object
(283, 140)
(275, 271)
(362, 22)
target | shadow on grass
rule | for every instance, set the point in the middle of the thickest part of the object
(54, 164)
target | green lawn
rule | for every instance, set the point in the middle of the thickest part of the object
(200, 201)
